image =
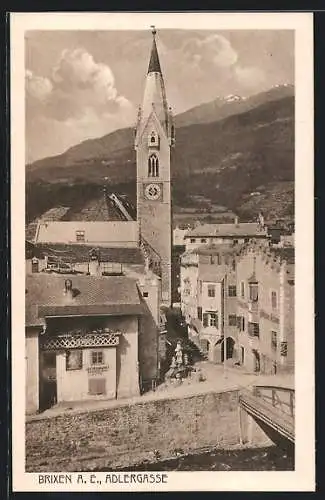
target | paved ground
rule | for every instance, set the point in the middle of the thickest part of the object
(216, 378)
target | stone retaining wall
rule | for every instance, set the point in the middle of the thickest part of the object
(124, 435)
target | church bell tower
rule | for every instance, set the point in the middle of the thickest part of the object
(153, 142)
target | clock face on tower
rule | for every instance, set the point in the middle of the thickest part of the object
(152, 191)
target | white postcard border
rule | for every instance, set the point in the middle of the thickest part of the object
(303, 478)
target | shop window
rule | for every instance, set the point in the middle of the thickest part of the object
(232, 291)
(74, 360)
(232, 320)
(211, 291)
(80, 236)
(97, 357)
(96, 386)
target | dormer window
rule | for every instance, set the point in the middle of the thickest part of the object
(80, 236)
(153, 166)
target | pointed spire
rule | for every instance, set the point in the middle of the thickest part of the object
(154, 64)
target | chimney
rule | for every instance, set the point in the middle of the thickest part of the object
(68, 289)
(94, 264)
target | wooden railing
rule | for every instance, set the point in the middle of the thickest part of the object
(282, 398)
(263, 410)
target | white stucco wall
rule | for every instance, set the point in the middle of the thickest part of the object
(72, 385)
(32, 371)
(114, 233)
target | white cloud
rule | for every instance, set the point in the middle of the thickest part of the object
(250, 76)
(79, 101)
(215, 49)
(37, 87)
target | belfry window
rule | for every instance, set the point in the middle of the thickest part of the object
(153, 166)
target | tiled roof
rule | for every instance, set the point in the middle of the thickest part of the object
(80, 253)
(97, 209)
(154, 64)
(222, 230)
(92, 295)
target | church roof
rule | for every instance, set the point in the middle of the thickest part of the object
(154, 64)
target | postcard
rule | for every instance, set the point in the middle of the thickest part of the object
(162, 252)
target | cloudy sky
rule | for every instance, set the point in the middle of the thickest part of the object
(85, 84)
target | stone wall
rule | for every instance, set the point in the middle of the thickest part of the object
(129, 434)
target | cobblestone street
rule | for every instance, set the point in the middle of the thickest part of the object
(216, 378)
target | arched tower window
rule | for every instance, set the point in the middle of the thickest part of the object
(153, 166)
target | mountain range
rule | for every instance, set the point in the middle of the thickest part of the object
(234, 151)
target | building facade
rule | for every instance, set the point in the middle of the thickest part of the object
(123, 234)
(244, 296)
(208, 298)
(153, 142)
(89, 337)
(265, 308)
(235, 233)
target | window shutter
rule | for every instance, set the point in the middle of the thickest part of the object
(205, 319)
(97, 386)
(199, 313)
(284, 349)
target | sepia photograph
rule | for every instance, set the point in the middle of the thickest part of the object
(161, 249)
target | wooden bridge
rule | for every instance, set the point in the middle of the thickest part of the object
(273, 409)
